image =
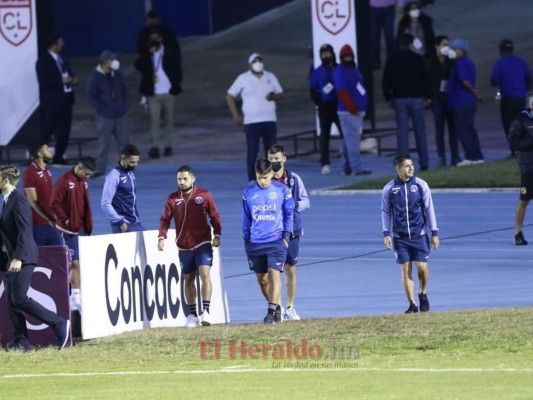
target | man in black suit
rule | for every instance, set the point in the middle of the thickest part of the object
(56, 96)
(18, 260)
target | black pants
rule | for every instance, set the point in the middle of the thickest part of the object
(16, 287)
(327, 115)
(56, 120)
(510, 107)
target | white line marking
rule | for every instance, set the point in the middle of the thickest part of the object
(252, 370)
(340, 192)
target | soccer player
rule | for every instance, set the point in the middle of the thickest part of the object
(267, 223)
(277, 157)
(119, 195)
(38, 187)
(407, 215)
(189, 207)
(71, 204)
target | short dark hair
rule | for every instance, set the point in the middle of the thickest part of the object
(185, 168)
(153, 14)
(276, 148)
(34, 148)
(506, 46)
(52, 39)
(399, 159)
(88, 162)
(263, 166)
(130, 150)
(439, 39)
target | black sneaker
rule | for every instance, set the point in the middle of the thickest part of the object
(424, 302)
(412, 309)
(153, 152)
(519, 239)
(270, 319)
(167, 152)
(278, 314)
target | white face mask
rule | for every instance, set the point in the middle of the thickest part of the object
(115, 65)
(452, 54)
(414, 13)
(445, 50)
(257, 66)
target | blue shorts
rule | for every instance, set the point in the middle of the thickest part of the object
(293, 251)
(72, 242)
(262, 256)
(407, 250)
(191, 260)
(46, 235)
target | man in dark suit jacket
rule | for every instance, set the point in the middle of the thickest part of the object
(56, 96)
(19, 261)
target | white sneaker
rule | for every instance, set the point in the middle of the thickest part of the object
(326, 170)
(75, 303)
(291, 315)
(192, 321)
(205, 318)
(465, 162)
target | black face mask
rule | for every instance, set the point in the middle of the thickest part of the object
(47, 160)
(154, 43)
(276, 166)
(327, 61)
(349, 64)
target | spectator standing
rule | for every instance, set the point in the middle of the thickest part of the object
(107, 93)
(259, 91)
(462, 99)
(439, 70)
(267, 223)
(38, 187)
(72, 206)
(324, 96)
(170, 40)
(277, 158)
(407, 216)
(405, 86)
(119, 195)
(56, 97)
(420, 25)
(512, 76)
(161, 76)
(189, 207)
(382, 15)
(351, 108)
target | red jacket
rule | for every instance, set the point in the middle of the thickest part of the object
(70, 203)
(190, 212)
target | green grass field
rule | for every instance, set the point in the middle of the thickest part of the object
(482, 354)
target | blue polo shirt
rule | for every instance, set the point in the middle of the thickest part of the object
(511, 74)
(458, 95)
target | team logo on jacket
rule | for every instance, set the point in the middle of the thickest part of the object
(71, 185)
(334, 15)
(178, 201)
(198, 200)
(273, 195)
(16, 20)
(414, 189)
(395, 190)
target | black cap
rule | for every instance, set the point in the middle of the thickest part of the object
(326, 47)
(506, 45)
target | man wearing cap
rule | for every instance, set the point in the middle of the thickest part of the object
(107, 93)
(462, 99)
(513, 77)
(324, 96)
(259, 90)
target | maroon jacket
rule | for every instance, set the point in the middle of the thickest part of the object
(70, 203)
(190, 212)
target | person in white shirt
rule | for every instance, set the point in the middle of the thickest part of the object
(259, 90)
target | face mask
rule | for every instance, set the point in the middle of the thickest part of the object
(445, 50)
(276, 166)
(115, 65)
(155, 43)
(327, 60)
(46, 160)
(257, 67)
(452, 54)
(414, 13)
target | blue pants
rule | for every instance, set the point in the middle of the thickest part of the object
(46, 235)
(254, 132)
(382, 19)
(466, 131)
(351, 141)
(444, 116)
(411, 108)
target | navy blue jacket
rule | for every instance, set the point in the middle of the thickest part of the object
(107, 93)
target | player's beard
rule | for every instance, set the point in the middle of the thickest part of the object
(186, 189)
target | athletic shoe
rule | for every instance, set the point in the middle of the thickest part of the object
(363, 172)
(412, 309)
(205, 318)
(465, 162)
(291, 315)
(192, 321)
(519, 239)
(153, 152)
(19, 345)
(326, 170)
(62, 332)
(270, 319)
(278, 315)
(75, 302)
(424, 302)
